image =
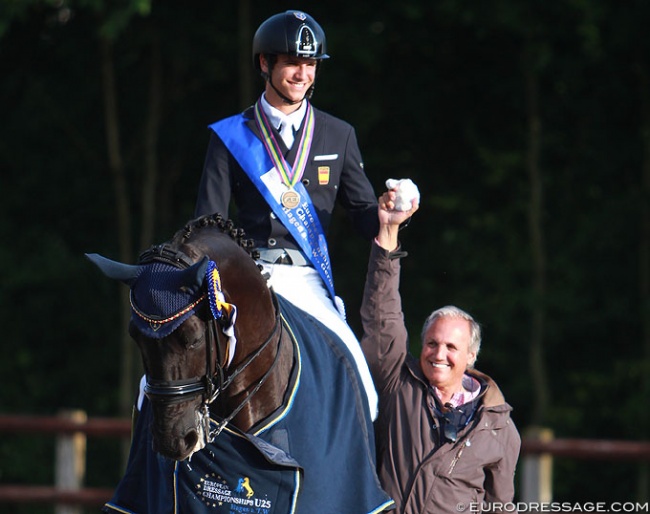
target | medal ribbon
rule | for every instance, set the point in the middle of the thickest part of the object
(221, 310)
(302, 221)
(290, 174)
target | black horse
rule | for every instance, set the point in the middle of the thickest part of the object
(250, 404)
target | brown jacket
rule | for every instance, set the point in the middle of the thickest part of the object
(417, 467)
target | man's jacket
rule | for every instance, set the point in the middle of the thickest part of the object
(417, 466)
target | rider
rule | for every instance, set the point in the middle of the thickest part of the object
(286, 164)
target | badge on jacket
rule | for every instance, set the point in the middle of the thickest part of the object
(323, 175)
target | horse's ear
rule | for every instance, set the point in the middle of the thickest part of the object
(126, 273)
(197, 271)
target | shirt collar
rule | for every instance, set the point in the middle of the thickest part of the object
(277, 117)
(471, 389)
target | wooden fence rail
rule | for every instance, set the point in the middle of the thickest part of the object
(89, 496)
(588, 449)
(96, 427)
(538, 449)
(71, 429)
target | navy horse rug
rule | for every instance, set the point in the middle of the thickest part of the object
(315, 454)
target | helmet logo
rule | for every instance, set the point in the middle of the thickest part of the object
(300, 15)
(306, 42)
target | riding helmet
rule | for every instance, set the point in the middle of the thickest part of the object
(293, 33)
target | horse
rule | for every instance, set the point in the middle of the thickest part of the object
(248, 403)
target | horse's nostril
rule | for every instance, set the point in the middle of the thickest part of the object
(191, 439)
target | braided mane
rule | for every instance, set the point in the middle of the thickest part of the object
(168, 252)
(225, 225)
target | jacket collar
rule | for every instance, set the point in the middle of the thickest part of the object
(249, 115)
(490, 395)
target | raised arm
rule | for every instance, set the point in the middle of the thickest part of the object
(385, 340)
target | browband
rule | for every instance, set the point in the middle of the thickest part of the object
(163, 253)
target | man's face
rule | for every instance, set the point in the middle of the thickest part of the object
(292, 76)
(445, 353)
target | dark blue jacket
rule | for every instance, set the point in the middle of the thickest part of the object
(341, 180)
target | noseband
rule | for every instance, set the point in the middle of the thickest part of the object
(209, 384)
(214, 382)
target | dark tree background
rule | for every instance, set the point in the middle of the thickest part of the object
(526, 126)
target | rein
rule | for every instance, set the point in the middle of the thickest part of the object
(278, 325)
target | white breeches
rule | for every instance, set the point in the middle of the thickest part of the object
(303, 286)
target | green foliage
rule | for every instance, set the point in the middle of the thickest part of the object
(436, 91)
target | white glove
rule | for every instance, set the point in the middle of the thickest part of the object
(406, 191)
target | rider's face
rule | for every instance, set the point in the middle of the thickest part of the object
(292, 76)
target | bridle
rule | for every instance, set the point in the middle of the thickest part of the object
(214, 382)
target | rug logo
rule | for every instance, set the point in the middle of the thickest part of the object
(244, 484)
(215, 492)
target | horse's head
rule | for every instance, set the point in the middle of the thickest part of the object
(183, 320)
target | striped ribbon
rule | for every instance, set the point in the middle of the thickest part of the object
(290, 174)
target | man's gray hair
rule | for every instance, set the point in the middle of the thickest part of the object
(450, 311)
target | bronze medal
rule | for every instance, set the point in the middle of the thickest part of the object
(290, 199)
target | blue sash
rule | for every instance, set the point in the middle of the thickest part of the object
(302, 222)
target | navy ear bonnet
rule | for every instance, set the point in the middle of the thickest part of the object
(162, 296)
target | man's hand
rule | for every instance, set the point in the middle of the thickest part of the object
(390, 219)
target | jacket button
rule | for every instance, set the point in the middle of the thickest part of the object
(305, 182)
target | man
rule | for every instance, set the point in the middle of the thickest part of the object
(286, 164)
(445, 439)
